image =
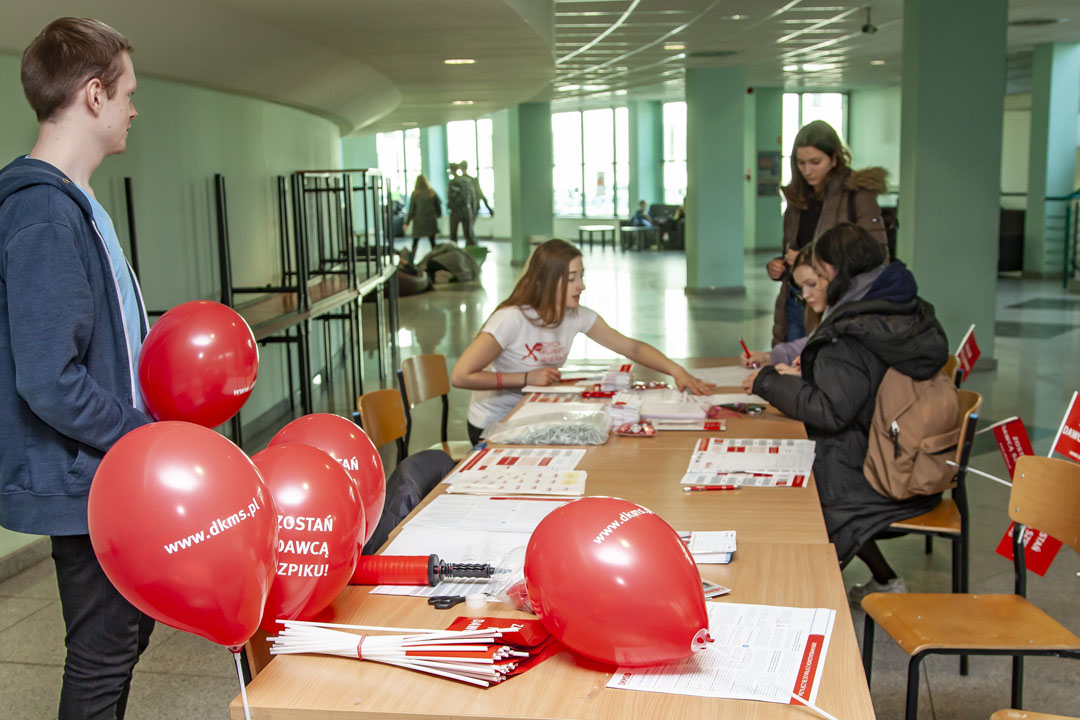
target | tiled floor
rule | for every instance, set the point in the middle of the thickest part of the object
(183, 676)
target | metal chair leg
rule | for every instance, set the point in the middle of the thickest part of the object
(868, 647)
(1018, 682)
(929, 544)
(911, 711)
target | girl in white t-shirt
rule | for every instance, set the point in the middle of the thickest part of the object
(529, 336)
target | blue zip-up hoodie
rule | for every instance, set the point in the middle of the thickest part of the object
(66, 386)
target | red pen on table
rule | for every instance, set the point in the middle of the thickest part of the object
(703, 488)
(748, 355)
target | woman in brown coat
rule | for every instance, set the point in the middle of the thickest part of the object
(823, 192)
(425, 208)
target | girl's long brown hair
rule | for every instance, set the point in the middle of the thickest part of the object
(543, 285)
(821, 135)
(422, 186)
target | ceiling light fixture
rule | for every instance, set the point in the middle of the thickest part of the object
(462, 102)
(568, 88)
(877, 62)
(675, 46)
(733, 17)
(459, 61)
(791, 68)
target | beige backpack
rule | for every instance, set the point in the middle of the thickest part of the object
(913, 435)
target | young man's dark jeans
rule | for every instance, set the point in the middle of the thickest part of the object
(105, 634)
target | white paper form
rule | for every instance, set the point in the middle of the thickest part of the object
(672, 405)
(772, 479)
(761, 652)
(554, 389)
(520, 482)
(731, 376)
(754, 455)
(733, 398)
(712, 547)
(505, 550)
(516, 458)
(474, 513)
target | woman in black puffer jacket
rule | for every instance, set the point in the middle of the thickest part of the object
(874, 320)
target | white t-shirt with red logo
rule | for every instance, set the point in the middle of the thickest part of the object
(525, 346)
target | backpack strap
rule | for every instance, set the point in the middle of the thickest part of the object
(851, 206)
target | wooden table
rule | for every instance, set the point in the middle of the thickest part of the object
(585, 233)
(784, 558)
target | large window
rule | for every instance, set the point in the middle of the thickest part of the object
(674, 153)
(399, 160)
(591, 152)
(470, 140)
(802, 108)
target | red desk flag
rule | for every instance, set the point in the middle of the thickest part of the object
(1039, 548)
(1067, 441)
(968, 352)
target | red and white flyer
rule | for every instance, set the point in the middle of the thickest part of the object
(1012, 440)
(761, 652)
(510, 460)
(968, 352)
(1067, 441)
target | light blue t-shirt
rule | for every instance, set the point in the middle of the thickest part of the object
(130, 298)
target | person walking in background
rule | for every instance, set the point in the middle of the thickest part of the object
(425, 209)
(824, 191)
(478, 192)
(461, 200)
(71, 326)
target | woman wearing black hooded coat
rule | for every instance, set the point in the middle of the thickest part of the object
(874, 320)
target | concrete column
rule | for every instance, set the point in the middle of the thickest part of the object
(646, 128)
(531, 201)
(716, 184)
(950, 158)
(1055, 102)
(768, 128)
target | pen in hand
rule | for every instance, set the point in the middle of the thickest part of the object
(748, 355)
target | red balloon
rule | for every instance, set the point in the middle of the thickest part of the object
(320, 519)
(613, 582)
(344, 441)
(198, 364)
(185, 528)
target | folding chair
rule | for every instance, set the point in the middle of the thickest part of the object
(1025, 715)
(1045, 495)
(422, 378)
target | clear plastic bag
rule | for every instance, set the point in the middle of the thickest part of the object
(554, 428)
(508, 583)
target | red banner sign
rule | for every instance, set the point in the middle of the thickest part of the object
(1067, 441)
(968, 352)
(1012, 440)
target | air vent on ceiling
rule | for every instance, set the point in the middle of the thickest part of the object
(711, 54)
(1035, 22)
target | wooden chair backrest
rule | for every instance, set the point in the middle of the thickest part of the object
(950, 366)
(969, 403)
(1046, 495)
(425, 377)
(382, 416)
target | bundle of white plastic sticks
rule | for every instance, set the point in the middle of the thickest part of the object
(474, 656)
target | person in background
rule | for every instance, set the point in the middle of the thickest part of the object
(529, 335)
(786, 354)
(478, 192)
(425, 209)
(874, 320)
(461, 200)
(641, 217)
(824, 191)
(71, 326)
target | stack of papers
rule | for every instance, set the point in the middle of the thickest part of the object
(513, 461)
(618, 377)
(730, 376)
(750, 462)
(672, 406)
(519, 482)
(625, 408)
(711, 548)
(761, 652)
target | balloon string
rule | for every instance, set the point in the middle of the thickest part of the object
(243, 689)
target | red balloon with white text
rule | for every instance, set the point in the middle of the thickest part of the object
(320, 520)
(184, 527)
(612, 581)
(198, 364)
(344, 441)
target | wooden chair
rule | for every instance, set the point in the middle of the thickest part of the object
(1045, 495)
(422, 378)
(382, 416)
(952, 369)
(1025, 715)
(949, 519)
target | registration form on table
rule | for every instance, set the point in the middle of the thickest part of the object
(517, 458)
(760, 652)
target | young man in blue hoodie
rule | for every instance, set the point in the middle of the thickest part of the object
(71, 324)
